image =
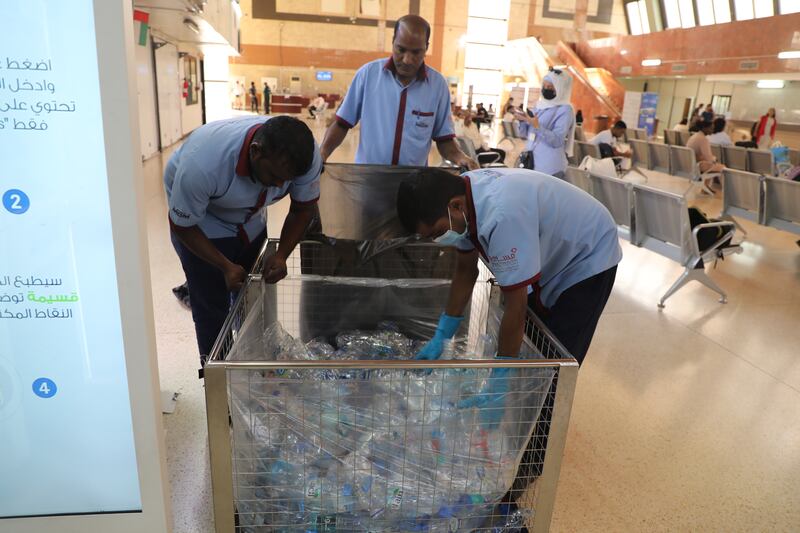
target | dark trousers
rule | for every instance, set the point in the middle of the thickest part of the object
(211, 300)
(575, 314)
(573, 320)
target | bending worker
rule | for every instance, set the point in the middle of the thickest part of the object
(218, 184)
(402, 105)
(551, 247)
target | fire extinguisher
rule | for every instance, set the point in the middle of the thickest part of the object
(185, 88)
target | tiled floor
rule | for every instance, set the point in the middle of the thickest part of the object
(686, 419)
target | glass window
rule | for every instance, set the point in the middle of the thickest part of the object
(480, 30)
(789, 6)
(497, 9)
(673, 14)
(637, 17)
(713, 12)
(687, 13)
(634, 20)
(744, 9)
(705, 12)
(722, 11)
(764, 8)
(643, 16)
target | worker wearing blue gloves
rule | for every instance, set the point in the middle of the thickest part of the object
(550, 246)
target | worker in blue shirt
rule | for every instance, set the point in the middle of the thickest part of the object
(218, 184)
(551, 247)
(402, 105)
(552, 127)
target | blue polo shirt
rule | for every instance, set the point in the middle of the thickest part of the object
(208, 182)
(397, 122)
(537, 231)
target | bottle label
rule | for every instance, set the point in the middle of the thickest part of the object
(397, 499)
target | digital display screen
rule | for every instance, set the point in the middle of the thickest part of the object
(324, 75)
(66, 436)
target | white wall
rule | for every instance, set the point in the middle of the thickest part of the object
(749, 102)
(169, 94)
(146, 92)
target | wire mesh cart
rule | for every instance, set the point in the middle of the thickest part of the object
(337, 442)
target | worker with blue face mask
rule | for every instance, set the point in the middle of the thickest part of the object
(552, 128)
(550, 246)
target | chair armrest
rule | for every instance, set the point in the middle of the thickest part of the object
(487, 158)
(729, 235)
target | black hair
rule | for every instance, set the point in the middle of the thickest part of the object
(719, 124)
(703, 124)
(416, 20)
(620, 125)
(290, 138)
(684, 121)
(424, 196)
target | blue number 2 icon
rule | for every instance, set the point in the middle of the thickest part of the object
(16, 201)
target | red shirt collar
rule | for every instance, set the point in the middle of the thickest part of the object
(243, 164)
(472, 218)
(422, 73)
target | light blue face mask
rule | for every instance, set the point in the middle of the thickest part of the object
(451, 237)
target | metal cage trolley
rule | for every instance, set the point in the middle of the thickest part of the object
(366, 438)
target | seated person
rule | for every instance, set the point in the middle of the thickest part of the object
(719, 136)
(702, 149)
(481, 115)
(470, 131)
(458, 122)
(609, 138)
(683, 125)
(317, 106)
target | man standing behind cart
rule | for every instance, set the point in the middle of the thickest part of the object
(218, 184)
(402, 105)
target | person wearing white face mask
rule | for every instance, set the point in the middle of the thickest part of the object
(552, 132)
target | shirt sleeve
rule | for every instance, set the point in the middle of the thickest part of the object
(557, 136)
(513, 250)
(191, 192)
(443, 125)
(305, 189)
(349, 113)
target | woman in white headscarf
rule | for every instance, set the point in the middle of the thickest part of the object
(552, 133)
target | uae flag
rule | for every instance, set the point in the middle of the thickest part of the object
(143, 20)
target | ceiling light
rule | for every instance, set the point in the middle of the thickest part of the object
(770, 84)
(623, 52)
(789, 54)
(651, 62)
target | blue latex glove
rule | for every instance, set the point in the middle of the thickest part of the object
(448, 325)
(491, 400)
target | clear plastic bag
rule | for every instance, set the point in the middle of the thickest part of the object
(374, 449)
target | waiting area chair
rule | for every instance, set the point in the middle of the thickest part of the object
(485, 160)
(735, 157)
(662, 225)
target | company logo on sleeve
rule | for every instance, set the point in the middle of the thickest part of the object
(181, 214)
(505, 262)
